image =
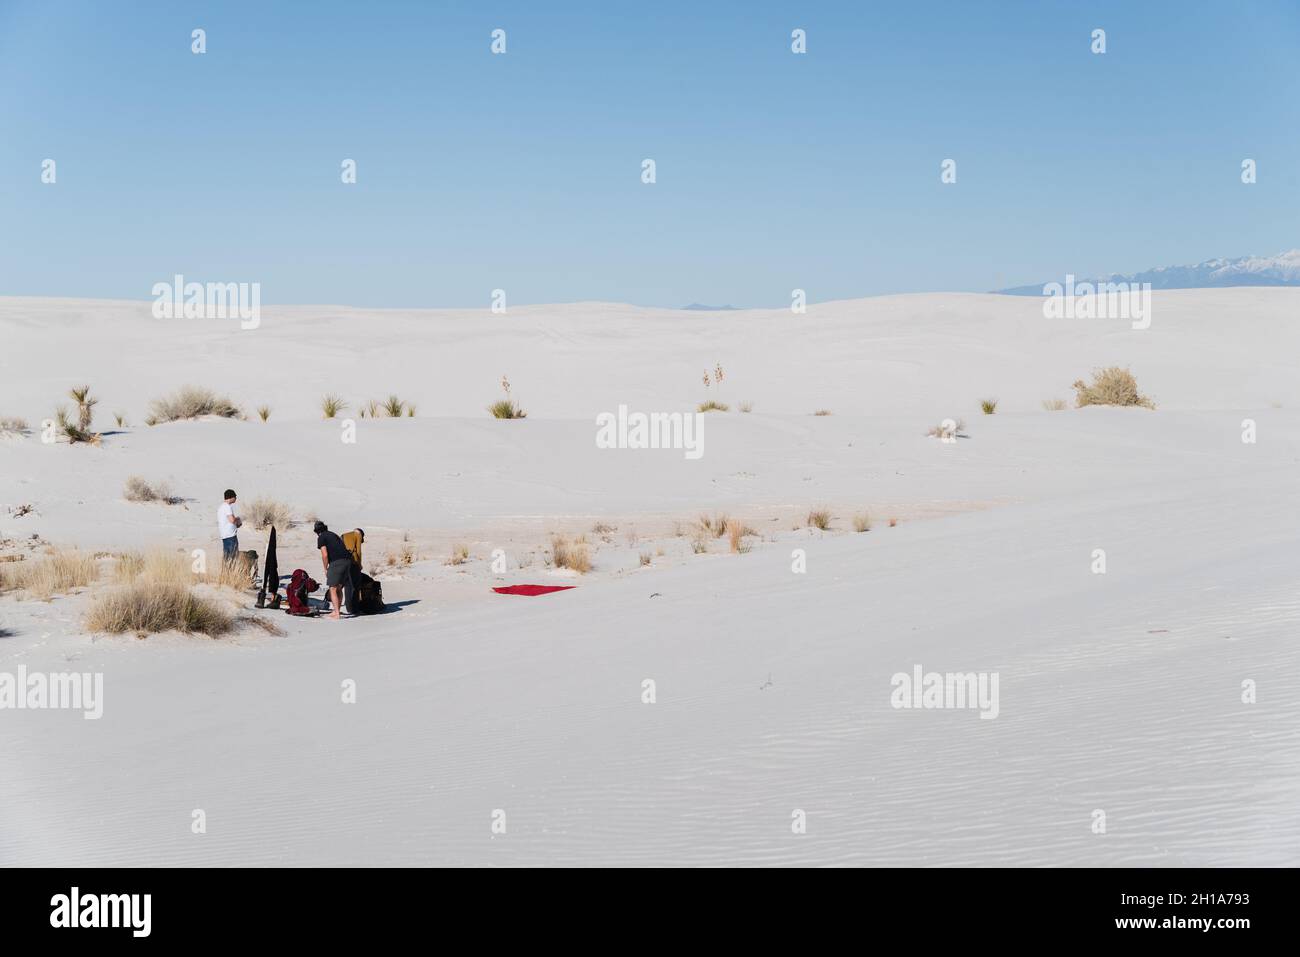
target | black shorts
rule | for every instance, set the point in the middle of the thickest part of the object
(338, 572)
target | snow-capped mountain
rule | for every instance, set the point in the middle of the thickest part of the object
(1280, 270)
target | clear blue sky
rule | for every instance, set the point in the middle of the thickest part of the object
(522, 171)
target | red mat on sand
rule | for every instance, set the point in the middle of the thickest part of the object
(530, 590)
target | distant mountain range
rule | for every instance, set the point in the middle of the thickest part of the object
(701, 307)
(1280, 270)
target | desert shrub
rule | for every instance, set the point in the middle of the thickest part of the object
(646, 558)
(736, 532)
(1054, 405)
(410, 410)
(746, 406)
(862, 522)
(263, 412)
(947, 429)
(710, 406)
(506, 408)
(190, 402)
(393, 407)
(819, 518)
(566, 554)
(120, 419)
(988, 406)
(56, 573)
(85, 406)
(459, 555)
(150, 607)
(13, 424)
(139, 490)
(72, 431)
(822, 412)
(331, 405)
(265, 512)
(1110, 386)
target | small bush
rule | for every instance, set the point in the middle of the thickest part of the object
(265, 512)
(862, 522)
(191, 402)
(1110, 386)
(139, 490)
(988, 406)
(819, 518)
(393, 407)
(646, 558)
(736, 532)
(506, 409)
(711, 406)
(331, 405)
(570, 555)
(56, 573)
(263, 412)
(1054, 405)
(822, 412)
(150, 607)
(459, 555)
(120, 419)
(72, 431)
(410, 410)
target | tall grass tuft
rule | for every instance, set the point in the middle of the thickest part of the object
(1110, 386)
(191, 402)
(819, 518)
(265, 512)
(988, 406)
(331, 405)
(56, 573)
(566, 554)
(862, 522)
(149, 607)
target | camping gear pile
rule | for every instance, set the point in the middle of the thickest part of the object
(365, 597)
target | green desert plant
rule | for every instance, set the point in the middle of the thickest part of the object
(988, 406)
(1110, 386)
(263, 412)
(72, 431)
(506, 408)
(393, 407)
(85, 406)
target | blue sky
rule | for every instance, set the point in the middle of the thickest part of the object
(522, 171)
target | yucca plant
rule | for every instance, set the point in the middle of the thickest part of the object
(393, 407)
(85, 406)
(988, 406)
(263, 412)
(506, 408)
(332, 405)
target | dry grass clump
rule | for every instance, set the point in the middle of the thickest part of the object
(1110, 386)
(736, 531)
(263, 412)
(988, 406)
(120, 419)
(646, 558)
(1054, 405)
(331, 405)
(459, 555)
(746, 406)
(711, 406)
(265, 512)
(138, 489)
(822, 412)
(191, 402)
(862, 522)
(11, 423)
(603, 528)
(566, 554)
(715, 526)
(393, 407)
(149, 607)
(819, 518)
(404, 555)
(948, 429)
(56, 573)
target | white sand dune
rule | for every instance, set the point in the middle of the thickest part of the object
(1120, 692)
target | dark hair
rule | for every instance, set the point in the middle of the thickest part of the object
(230, 493)
(362, 533)
(320, 527)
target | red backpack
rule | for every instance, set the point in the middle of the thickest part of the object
(300, 586)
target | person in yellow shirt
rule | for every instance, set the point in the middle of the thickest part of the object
(352, 542)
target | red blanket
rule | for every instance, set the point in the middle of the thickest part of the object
(530, 590)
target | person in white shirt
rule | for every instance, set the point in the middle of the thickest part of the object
(228, 524)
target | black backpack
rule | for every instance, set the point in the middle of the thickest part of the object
(367, 595)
